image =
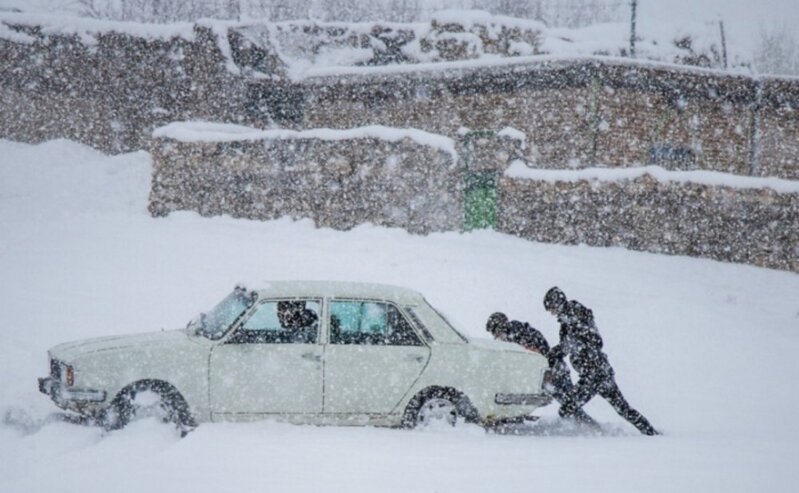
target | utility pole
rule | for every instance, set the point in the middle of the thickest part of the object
(234, 9)
(633, 5)
(723, 44)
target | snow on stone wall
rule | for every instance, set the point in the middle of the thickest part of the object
(757, 226)
(109, 84)
(576, 113)
(297, 49)
(339, 179)
(392, 177)
(309, 48)
(109, 88)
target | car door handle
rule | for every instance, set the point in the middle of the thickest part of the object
(415, 357)
(311, 357)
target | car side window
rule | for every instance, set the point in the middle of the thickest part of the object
(369, 323)
(281, 322)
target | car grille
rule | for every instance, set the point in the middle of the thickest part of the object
(55, 369)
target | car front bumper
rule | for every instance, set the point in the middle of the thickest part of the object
(68, 397)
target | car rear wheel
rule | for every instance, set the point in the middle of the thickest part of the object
(437, 411)
(439, 406)
(144, 400)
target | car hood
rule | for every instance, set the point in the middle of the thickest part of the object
(501, 346)
(71, 350)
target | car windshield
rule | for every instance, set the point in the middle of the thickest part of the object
(215, 323)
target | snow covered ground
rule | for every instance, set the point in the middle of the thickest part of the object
(706, 350)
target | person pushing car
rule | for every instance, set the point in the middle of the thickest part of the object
(559, 384)
(580, 340)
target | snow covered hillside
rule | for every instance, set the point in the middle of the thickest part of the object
(707, 351)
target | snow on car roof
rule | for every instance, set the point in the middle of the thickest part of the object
(340, 289)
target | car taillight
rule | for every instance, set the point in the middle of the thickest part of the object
(546, 384)
(70, 376)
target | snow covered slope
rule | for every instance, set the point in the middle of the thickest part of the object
(706, 350)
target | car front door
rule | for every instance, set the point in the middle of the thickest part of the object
(270, 364)
(372, 358)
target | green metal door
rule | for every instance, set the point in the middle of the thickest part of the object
(480, 200)
(480, 186)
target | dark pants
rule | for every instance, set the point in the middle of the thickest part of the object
(563, 391)
(605, 385)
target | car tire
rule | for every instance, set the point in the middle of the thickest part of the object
(441, 406)
(149, 399)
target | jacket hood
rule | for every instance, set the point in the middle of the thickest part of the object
(71, 350)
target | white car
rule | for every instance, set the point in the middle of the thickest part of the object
(305, 352)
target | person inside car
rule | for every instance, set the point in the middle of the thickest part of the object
(299, 322)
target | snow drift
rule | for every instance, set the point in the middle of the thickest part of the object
(706, 350)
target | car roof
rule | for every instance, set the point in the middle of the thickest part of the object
(340, 289)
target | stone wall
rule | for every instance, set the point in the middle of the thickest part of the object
(111, 92)
(337, 183)
(581, 113)
(753, 226)
(549, 108)
(420, 188)
(776, 143)
(679, 120)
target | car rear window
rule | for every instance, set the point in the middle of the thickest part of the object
(449, 324)
(418, 322)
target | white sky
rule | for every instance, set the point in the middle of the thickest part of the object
(770, 9)
(742, 18)
(740, 12)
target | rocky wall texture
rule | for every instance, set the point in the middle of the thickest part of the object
(111, 92)
(338, 184)
(341, 184)
(633, 128)
(577, 113)
(752, 226)
(776, 142)
(112, 89)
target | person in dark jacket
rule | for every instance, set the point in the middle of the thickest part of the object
(580, 340)
(559, 384)
(299, 322)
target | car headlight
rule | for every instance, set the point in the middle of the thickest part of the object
(55, 368)
(69, 376)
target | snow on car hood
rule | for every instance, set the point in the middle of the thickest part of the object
(494, 345)
(72, 350)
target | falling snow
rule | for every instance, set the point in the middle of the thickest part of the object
(153, 155)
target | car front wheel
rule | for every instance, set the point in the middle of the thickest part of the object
(144, 400)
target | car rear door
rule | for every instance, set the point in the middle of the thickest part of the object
(266, 368)
(372, 358)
